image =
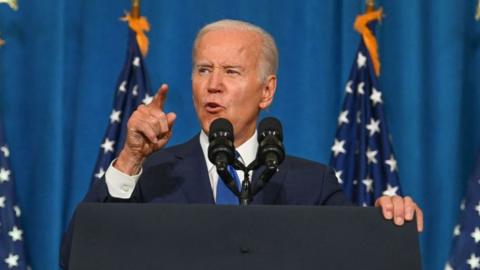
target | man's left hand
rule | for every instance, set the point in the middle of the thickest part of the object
(400, 210)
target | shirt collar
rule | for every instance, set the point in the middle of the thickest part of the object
(247, 151)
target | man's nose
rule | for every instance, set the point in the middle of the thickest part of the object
(215, 81)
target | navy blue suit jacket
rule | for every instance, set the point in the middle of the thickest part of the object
(179, 175)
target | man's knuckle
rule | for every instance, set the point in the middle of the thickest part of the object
(161, 114)
(388, 205)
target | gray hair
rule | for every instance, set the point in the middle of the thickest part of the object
(269, 52)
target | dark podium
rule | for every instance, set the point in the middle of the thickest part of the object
(159, 236)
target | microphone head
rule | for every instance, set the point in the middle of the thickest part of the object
(221, 151)
(270, 126)
(220, 127)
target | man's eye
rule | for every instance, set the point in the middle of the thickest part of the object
(233, 72)
(203, 70)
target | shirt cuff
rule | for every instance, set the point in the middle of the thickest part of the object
(119, 184)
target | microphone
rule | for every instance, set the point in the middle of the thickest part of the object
(271, 151)
(221, 151)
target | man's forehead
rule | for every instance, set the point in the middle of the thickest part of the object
(232, 32)
(228, 41)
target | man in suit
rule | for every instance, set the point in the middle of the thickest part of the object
(234, 77)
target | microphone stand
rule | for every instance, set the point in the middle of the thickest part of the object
(266, 175)
(245, 196)
(247, 191)
(227, 179)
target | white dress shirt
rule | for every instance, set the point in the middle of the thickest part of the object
(121, 185)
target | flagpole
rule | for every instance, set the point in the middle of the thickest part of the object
(370, 6)
(135, 11)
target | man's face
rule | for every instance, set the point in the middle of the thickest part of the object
(226, 81)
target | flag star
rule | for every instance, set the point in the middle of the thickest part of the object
(390, 191)
(371, 156)
(11, 260)
(360, 89)
(348, 88)
(374, 126)
(136, 61)
(462, 205)
(364, 204)
(15, 234)
(17, 211)
(474, 261)
(392, 163)
(2, 201)
(456, 230)
(123, 87)
(368, 184)
(107, 146)
(115, 116)
(338, 174)
(477, 208)
(4, 175)
(343, 118)
(5, 151)
(359, 117)
(361, 60)
(476, 235)
(355, 182)
(448, 267)
(338, 147)
(135, 91)
(376, 96)
(147, 99)
(100, 173)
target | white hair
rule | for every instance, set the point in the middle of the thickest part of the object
(268, 63)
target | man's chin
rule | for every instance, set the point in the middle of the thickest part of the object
(207, 121)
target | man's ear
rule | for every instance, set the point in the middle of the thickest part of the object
(268, 91)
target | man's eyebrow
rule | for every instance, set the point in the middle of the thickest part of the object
(204, 65)
(233, 66)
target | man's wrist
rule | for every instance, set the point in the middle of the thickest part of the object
(128, 164)
(119, 184)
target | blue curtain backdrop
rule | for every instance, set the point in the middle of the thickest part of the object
(62, 59)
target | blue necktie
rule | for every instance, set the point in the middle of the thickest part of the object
(224, 194)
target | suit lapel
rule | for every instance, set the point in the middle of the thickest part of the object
(196, 186)
(270, 192)
(192, 168)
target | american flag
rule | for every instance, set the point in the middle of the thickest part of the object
(465, 252)
(12, 253)
(363, 156)
(133, 89)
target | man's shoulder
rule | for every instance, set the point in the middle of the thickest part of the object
(298, 163)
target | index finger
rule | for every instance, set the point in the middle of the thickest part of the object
(419, 214)
(160, 97)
